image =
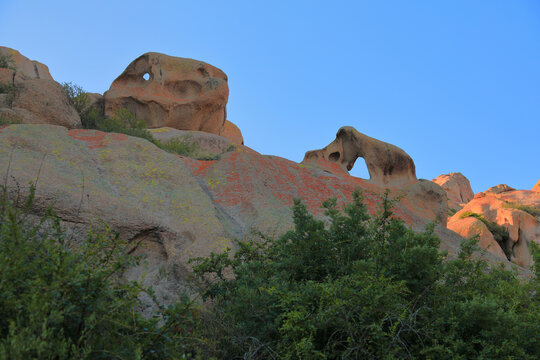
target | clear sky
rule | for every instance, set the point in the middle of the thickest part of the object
(456, 84)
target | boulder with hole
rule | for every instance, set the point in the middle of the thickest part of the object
(180, 93)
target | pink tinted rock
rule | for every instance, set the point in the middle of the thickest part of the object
(457, 188)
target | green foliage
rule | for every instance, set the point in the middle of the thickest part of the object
(64, 302)
(125, 122)
(532, 210)
(9, 89)
(499, 232)
(364, 287)
(78, 98)
(8, 120)
(186, 147)
(6, 62)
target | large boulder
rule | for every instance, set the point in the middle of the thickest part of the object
(458, 189)
(31, 96)
(388, 165)
(517, 211)
(173, 207)
(180, 93)
(471, 226)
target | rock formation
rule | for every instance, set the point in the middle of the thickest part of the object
(180, 93)
(211, 144)
(173, 207)
(29, 94)
(458, 189)
(387, 164)
(536, 187)
(518, 211)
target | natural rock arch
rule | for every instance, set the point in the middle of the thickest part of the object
(388, 165)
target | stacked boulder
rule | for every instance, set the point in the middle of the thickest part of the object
(180, 93)
(458, 189)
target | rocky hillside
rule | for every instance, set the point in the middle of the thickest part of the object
(174, 207)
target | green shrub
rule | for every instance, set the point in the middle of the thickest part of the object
(6, 61)
(78, 98)
(361, 287)
(8, 120)
(9, 89)
(532, 210)
(186, 147)
(59, 301)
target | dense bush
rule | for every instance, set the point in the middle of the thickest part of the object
(62, 302)
(365, 288)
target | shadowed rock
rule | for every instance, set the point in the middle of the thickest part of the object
(167, 91)
(388, 165)
(29, 94)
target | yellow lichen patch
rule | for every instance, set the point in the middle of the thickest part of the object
(213, 182)
(160, 130)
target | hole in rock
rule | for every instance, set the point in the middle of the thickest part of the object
(334, 156)
(360, 169)
(146, 76)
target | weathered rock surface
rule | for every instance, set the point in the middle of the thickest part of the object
(34, 97)
(457, 187)
(499, 189)
(536, 187)
(387, 164)
(210, 143)
(471, 226)
(173, 208)
(168, 91)
(516, 210)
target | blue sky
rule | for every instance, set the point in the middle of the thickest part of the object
(456, 84)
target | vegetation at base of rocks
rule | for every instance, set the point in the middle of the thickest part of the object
(60, 301)
(8, 120)
(451, 211)
(78, 98)
(125, 122)
(531, 210)
(186, 147)
(499, 232)
(9, 90)
(6, 62)
(352, 287)
(363, 287)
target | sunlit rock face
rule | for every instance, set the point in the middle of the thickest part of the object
(388, 165)
(536, 187)
(517, 211)
(168, 91)
(458, 189)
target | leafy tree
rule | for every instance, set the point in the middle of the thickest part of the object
(364, 287)
(59, 301)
